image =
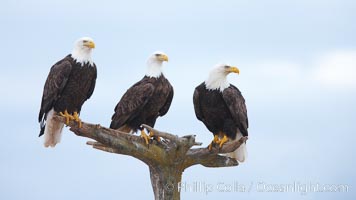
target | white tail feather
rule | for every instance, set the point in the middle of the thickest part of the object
(240, 153)
(53, 130)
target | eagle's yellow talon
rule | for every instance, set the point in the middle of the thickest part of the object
(143, 134)
(152, 135)
(223, 141)
(67, 116)
(77, 119)
(216, 140)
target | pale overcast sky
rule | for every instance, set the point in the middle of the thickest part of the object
(298, 75)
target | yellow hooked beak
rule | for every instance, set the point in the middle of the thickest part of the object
(90, 44)
(163, 57)
(233, 69)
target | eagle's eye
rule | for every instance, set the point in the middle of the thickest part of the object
(226, 66)
(157, 54)
(85, 41)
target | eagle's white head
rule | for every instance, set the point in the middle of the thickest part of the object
(82, 50)
(217, 79)
(154, 64)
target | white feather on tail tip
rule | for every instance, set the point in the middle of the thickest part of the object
(240, 153)
(53, 130)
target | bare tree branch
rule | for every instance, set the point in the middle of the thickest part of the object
(166, 159)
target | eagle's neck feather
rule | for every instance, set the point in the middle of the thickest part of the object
(154, 68)
(82, 56)
(217, 81)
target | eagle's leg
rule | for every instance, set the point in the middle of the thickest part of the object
(151, 135)
(77, 119)
(67, 116)
(223, 141)
(215, 140)
(143, 134)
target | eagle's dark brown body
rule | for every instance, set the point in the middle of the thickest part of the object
(68, 85)
(221, 111)
(143, 103)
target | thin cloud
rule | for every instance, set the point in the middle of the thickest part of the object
(337, 69)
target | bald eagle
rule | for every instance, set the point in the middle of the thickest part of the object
(221, 107)
(146, 100)
(69, 84)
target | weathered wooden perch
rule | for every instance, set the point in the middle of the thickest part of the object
(166, 159)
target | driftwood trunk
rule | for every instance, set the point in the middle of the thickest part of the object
(166, 159)
(168, 177)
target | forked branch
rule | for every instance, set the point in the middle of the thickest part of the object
(167, 159)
